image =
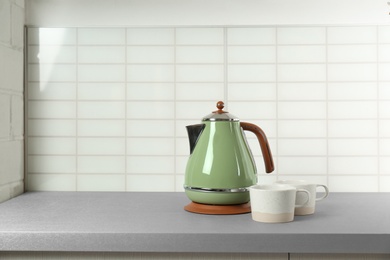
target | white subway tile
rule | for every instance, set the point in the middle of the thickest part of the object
(352, 91)
(179, 181)
(253, 110)
(353, 184)
(353, 165)
(101, 146)
(199, 91)
(17, 26)
(100, 182)
(51, 164)
(52, 54)
(51, 146)
(384, 34)
(251, 54)
(55, 127)
(384, 128)
(384, 109)
(150, 91)
(269, 127)
(318, 179)
(384, 90)
(11, 69)
(101, 73)
(150, 146)
(301, 54)
(302, 72)
(302, 128)
(150, 36)
(384, 53)
(251, 91)
(199, 54)
(352, 34)
(199, 36)
(101, 36)
(153, 128)
(384, 184)
(301, 35)
(52, 36)
(101, 54)
(5, 115)
(101, 164)
(383, 71)
(51, 182)
(302, 91)
(352, 72)
(101, 91)
(251, 73)
(99, 128)
(150, 73)
(250, 36)
(182, 147)
(352, 128)
(150, 183)
(384, 165)
(17, 116)
(103, 110)
(384, 147)
(52, 109)
(11, 161)
(150, 54)
(302, 165)
(50, 91)
(358, 147)
(302, 110)
(51, 72)
(5, 21)
(302, 147)
(148, 165)
(150, 110)
(352, 53)
(199, 73)
(352, 110)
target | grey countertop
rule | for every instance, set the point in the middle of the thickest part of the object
(156, 222)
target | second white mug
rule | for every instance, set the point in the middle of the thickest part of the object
(309, 207)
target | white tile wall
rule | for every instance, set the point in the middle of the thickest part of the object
(11, 99)
(107, 107)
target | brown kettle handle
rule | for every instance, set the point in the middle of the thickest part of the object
(265, 149)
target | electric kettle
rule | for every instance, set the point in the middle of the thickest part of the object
(221, 167)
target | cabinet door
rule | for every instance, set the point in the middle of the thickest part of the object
(339, 256)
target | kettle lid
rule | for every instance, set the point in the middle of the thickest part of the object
(220, 114)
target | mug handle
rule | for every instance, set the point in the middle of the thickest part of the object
(308, 197)
(326, 192)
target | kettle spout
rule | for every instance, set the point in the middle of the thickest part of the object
(194, 132)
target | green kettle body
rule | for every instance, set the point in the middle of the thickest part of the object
(221, 166)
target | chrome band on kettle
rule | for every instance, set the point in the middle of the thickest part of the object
(234, 190)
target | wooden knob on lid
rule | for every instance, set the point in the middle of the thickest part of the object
(220, 106)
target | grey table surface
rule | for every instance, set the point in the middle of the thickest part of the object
(157, 222)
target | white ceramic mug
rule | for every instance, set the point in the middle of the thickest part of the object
(274, 203)
(309, 207)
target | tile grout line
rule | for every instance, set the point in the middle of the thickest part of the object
(327, 106)
(175, 175)
(277, 102)
(126, 105)
(77, 107)
(378, 115)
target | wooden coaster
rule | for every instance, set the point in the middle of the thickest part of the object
(218, 209)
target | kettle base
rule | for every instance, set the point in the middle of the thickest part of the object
(218, 209)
